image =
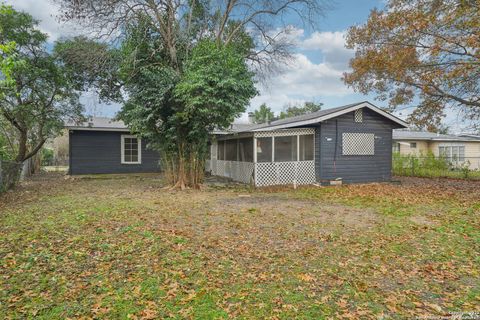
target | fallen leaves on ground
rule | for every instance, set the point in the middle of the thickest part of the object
(124, 247)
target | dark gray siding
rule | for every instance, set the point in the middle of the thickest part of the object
(354, 169)
(100, 152)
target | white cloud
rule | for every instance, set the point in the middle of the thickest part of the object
(325, 41)
(303, 80)
(332, 46)
(45, 11)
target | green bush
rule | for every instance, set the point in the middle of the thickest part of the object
(431, 166)
(5, 152)
(47, 157)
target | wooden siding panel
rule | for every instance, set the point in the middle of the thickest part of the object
(354, 169)
(93, 152)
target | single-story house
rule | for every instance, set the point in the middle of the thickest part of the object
(101, 145)
(352, 143)
(460, 148)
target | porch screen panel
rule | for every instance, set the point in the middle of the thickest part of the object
(231, 150)
(245, 149)
(285, 148)
(306, 147)
(209, 150)
(221, 150)
(264, 149)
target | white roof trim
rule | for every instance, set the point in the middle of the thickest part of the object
(98, 129)
(435, 139)
(334, 115)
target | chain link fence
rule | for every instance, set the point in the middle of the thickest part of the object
(9, 174)
(436, 167)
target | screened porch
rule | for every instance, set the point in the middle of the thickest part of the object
(265, 158)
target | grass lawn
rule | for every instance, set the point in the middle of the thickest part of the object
(116, 247)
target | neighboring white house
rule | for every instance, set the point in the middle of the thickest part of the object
(461, 148)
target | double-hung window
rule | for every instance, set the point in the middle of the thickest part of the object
(452, 153)
(131, 149)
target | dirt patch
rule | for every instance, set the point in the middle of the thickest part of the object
(301, 212)
(423, 221)
(464, 190)
(258, 228)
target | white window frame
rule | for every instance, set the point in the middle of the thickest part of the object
(125, 136)
(450, 156)
(396, 147)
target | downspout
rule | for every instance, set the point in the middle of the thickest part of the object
(70, 152)
(336, 146)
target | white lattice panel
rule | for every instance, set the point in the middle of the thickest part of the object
(275, 173)
(358, 144)
(359, 115)
(213, 166)
(286, 132)
(220, 170)
(236, 170)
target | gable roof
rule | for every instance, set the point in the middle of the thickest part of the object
(311, 118)
(98, 124)
(429, 136)
(107, 124)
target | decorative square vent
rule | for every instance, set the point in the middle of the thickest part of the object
(358, 144)
(359, 115)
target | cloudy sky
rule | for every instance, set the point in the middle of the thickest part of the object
(314, 74)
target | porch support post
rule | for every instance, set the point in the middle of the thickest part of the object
(298, 147)
(254, 160)
(273, 148)
(298, 160)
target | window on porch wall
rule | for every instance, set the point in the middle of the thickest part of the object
(285, 149)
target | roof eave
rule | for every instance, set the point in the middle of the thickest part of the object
(433, 139)
(97, 129)
(400, 122)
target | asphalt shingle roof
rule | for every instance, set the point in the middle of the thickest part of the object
(235, 128)
(425, 135)
(99, 123)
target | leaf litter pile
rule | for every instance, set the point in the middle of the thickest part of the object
(113, 247)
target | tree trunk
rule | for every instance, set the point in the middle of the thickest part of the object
(22, 147)
(181, 173)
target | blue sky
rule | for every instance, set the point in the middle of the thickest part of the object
(321, 59)
(313, 74)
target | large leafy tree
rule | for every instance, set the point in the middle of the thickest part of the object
(263, 114)
(185, 65)
(296, 110)
(36, 93)
(424, 52)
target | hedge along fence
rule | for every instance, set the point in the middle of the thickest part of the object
(9, 174)
(430, 166)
